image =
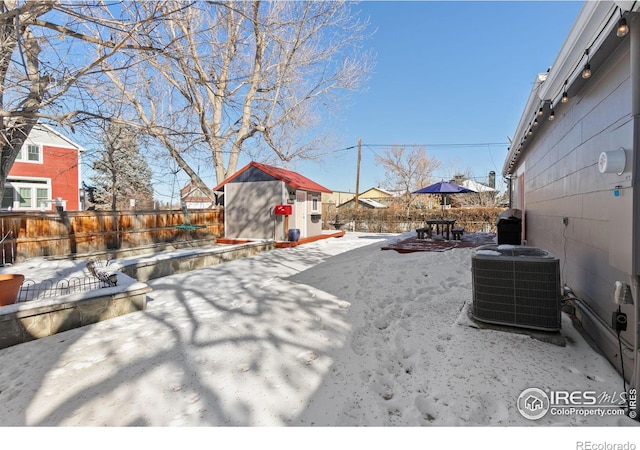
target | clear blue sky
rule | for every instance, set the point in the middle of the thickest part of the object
(448, 72)
(451, 75)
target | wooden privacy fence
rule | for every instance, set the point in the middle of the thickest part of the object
(74, 233)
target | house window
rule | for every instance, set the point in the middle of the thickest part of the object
(7, 198)
(30, 153)
(42, 195)
(27, 194)
(315, 203)
(25, 197)
(33, 152)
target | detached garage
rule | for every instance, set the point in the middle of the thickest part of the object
(265, 202)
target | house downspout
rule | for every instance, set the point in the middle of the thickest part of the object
(635, 111)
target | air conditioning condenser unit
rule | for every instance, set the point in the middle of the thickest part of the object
(516, 286)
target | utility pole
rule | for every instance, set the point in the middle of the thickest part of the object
(358, 170)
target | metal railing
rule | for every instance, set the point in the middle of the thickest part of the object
(32, 291)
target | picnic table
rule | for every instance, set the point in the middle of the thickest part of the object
(446, 224)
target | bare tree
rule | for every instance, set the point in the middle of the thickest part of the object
(246, 77)
(45, 68)
(483, 196)
(407, 169)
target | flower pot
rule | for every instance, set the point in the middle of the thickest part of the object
(294, 234)
(9, 286)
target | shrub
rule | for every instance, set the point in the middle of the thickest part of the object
(393, 221)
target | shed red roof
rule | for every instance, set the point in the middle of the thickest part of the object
(293, 179)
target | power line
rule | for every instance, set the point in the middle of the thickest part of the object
(479, 144)
(486, 144)
(345, 149)
(440, 145)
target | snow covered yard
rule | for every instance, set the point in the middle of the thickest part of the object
(331, 333)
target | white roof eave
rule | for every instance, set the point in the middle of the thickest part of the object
(533, 104)
(593, 17)
(50, 129)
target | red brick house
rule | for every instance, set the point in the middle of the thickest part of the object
(45, 174)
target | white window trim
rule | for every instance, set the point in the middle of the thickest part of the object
(315, 203)
(24, 152)
(33, 184)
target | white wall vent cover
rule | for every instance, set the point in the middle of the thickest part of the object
(516, 286)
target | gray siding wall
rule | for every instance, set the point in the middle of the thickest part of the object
(561, 179)
(249, 210)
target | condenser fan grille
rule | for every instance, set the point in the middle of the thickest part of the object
(517, 291)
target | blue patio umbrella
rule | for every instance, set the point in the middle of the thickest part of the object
(443, 188)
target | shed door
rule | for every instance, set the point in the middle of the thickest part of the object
(301, 212)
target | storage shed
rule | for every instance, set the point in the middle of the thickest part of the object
(265, 202)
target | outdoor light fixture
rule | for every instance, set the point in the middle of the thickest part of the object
(565, 96)
(535, 123)
(623, 28)
(622, 293)
(586, 72)
(540, 111)
(530, 131)
(552, 114)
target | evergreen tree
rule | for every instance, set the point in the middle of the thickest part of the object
(121, 173)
